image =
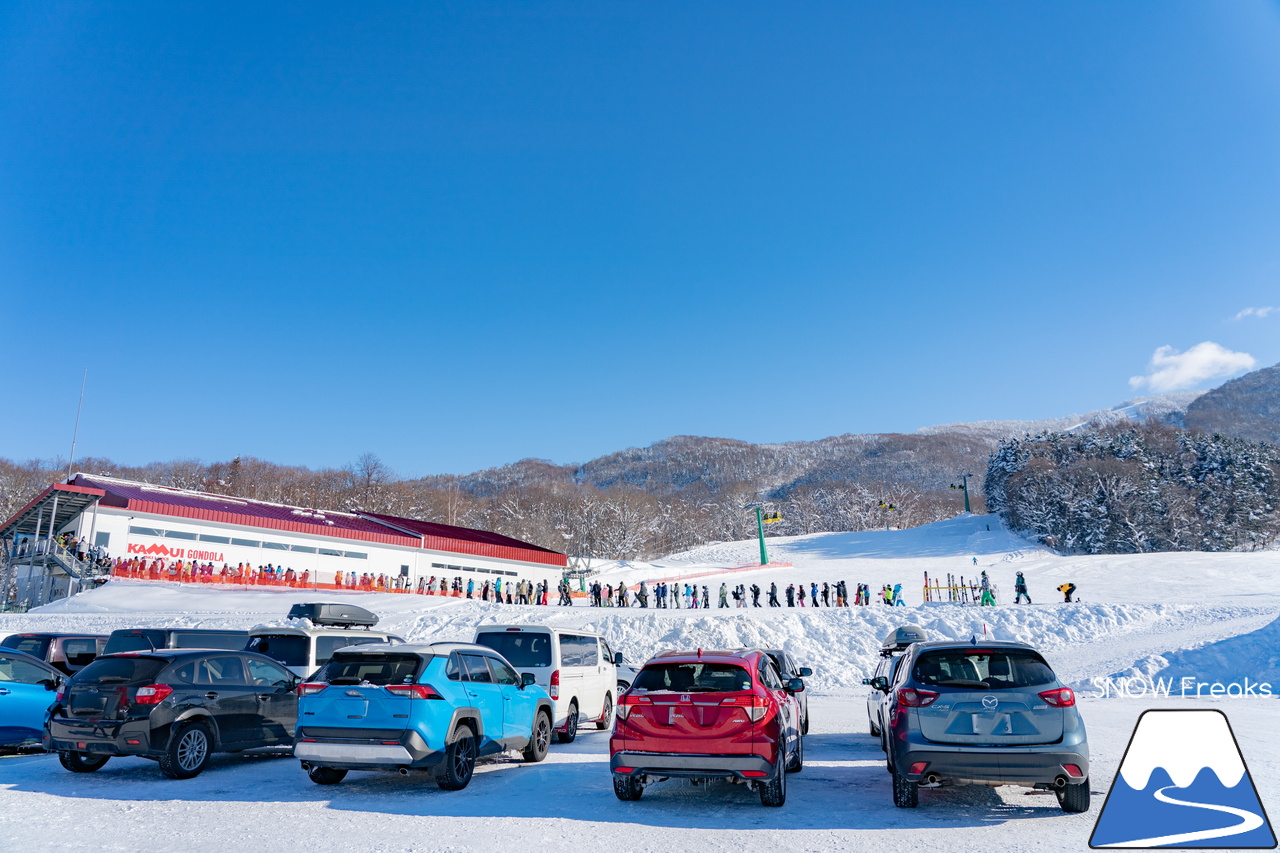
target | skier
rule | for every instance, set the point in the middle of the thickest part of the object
(826, 595)
(897, 596)
(755, 595)
(988, 597)
(643, 595)
(1020, 587)
(813, 594)
(791, 595)
(773, 595)
(686, 597)
(724, 595)
(800, 594)
(706, 598)
(1067, 589)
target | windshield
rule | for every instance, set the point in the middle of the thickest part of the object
(982, 669)
(522, 649)
(693, 678)
(34, 646)
(120, 670)
(289, 649)
(374, 669)
(230, 640)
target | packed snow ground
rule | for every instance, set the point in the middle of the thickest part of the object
(1206, 617)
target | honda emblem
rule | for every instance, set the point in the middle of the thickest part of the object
(684, 697)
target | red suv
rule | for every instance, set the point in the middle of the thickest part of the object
(708, 715)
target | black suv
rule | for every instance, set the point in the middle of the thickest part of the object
(176, 706)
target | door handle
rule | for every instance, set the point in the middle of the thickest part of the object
(263, 697)
(211, 695)
(4, 691)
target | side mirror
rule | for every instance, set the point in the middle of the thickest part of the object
(795, 685)
(48, 683)
(806, 671)
(617, 658)
(527, 679)
(866, 681)
(880, 683)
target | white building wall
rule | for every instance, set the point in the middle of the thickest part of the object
(170, 537)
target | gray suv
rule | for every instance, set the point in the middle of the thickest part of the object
(990, 713)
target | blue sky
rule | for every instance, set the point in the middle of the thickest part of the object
(457, 235)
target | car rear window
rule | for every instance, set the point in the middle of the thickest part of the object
(125, 670)
(134, 641)
(232, 641)
(377, 669)
(34, 646)
(693, 678)
(289, 649)
(982, 669)
(521, 648)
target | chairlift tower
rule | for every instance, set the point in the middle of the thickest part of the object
(763, 517)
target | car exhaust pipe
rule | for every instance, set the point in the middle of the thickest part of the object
(931, 779)
(1060, 782)
(404, 771)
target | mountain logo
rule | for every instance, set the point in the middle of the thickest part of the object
(1183, 784)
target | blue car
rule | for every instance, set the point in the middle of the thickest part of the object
(434, 707)
(28, 688)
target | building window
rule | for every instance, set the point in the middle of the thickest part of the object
(275, 546)
(221, 540)
(247, 543)
(178, 534)
(356, 555)
(329, 552)
(304, 549)
(145, 531)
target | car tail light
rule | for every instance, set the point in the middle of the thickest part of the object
(61, 695)
(624, 770)
(917, 768)
(912, 697)
(755, 706)
(1073, 770)
(626, 702)
(307, 688)
(554, 692)
(152, 694)
(754, 774)
(1062, 697)
(422, 691)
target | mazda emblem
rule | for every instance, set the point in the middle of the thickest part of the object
(990, 702)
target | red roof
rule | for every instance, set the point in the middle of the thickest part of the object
(366, 527)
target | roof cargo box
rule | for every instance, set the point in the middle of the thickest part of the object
(337, 615)
(899, 638)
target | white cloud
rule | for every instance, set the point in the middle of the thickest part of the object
(1171, 370)
(1255, 312)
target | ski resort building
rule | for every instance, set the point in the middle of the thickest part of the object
(115, 518)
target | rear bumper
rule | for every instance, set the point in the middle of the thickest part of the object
(1005, 767)
(101, 738)
(410, 751)
(692, 766)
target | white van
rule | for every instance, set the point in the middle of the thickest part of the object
(576, 668)
(304, 650)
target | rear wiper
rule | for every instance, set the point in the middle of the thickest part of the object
(344, 681)
(112, 679)
(963, 682)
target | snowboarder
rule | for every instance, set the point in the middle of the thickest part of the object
(1067, 589)
(800, 595)
(791, 595)
(706, 597)
(988, 597)
(773, 595)
(755, 595)
(724, 595)
(813, 593)
(826, 595)
(643, 595)
(1020, 587)
(898, 600)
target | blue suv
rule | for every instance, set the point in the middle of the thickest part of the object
(436, 707)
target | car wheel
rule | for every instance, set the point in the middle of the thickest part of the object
(606, 719)
(797, 760)
(773, 792)
(188, 752)
(1074, 798)
(804, 725)
(875, 730)
(459, 760)
(570, 725)
(326, 775)
(906, 794)
(79, 762)
(627, 788)
(539, 738)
